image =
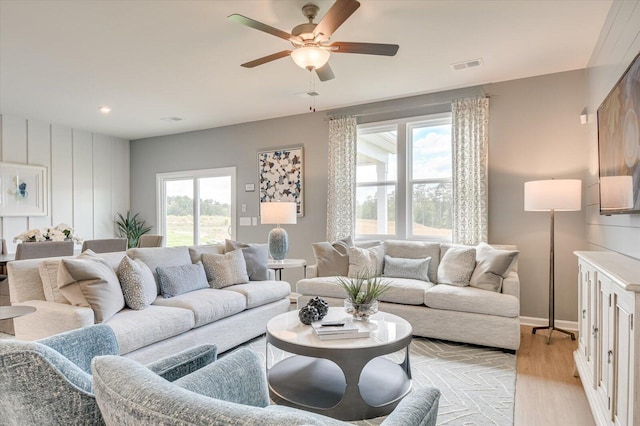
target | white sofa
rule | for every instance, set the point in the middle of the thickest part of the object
(225, 317)
(457, 313)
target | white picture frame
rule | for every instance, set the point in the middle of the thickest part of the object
(280, 176)
(23, 190)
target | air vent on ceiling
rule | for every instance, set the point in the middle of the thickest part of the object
(466, 64)
(171, 119)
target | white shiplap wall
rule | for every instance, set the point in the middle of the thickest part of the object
(619, 43)
(87, 176)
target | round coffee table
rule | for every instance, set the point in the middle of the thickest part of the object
(346, 379)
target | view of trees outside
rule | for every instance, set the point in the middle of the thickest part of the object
(429, 184)
(215, 211)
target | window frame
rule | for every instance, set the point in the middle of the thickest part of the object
(195, 175)
(404, 179)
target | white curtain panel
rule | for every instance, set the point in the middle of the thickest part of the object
(470, 170)
(341, 195)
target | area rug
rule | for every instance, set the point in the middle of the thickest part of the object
(477, 383)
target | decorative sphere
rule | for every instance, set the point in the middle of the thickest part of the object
(321, 305)
(308, 314)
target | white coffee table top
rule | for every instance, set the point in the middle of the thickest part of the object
(384, 328)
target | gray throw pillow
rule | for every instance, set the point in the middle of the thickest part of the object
(256, 256)
(398, 267)
(456, 266)
(137, 282)
(492, 266)
(176, 280)
(223, 270)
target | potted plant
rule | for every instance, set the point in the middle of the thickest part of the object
(131, 228)
(363, 292)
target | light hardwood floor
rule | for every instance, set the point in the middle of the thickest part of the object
(547, 393)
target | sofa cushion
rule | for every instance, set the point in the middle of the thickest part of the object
(208, 305)
(256, 256)
(406, 291)
(416, 250)
(90, 281)
(321, 286)
(456, 265)
(227, 269)
(492, 266)
(331, 258)
(398, 267)
(138, 285)
(196, 252)
(160, 256)
(469, 299)
(176, 280)
(263, 292)
(368, 261)
(137, 329)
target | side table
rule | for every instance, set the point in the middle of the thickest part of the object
(279, 265)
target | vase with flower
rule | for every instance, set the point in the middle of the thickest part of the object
(363, 291)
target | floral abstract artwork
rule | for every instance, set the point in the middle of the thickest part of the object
(280, 176)
(23, 190)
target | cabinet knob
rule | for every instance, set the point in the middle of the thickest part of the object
(609, 357)
(584, 313)
(594, 331)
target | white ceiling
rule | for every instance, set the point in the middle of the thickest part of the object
(61, 60)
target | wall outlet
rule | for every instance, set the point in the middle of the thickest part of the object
(243, 208)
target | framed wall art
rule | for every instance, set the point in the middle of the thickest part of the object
(280, 174)
(24, 190)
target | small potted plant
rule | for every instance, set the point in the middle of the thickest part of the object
(131, 228)
(363, 292)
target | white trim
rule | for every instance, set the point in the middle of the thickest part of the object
(541, 322)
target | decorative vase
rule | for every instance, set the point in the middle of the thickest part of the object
(360, 311)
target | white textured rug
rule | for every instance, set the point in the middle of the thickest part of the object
(477, 383)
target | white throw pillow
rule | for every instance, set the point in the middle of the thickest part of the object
(137, 282)
(365, 261)
(492, 266)
(456, 266)
(48, 270)
(226, 269)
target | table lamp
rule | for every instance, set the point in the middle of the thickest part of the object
(553, 195)
(278, 213)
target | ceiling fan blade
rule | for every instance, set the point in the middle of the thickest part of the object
(243, 20)
(339, 12)
(266, 59)
(364, 48)
(325, 72)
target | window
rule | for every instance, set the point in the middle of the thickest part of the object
(197, 207)
(403, 179)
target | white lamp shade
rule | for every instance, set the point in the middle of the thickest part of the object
(554, 194)
(616, 192)
(310, 57)
(278, 213)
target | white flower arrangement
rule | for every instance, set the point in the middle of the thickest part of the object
(61, 232)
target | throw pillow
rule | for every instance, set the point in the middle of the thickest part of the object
(416, 250)
(256, 256)
(226, 269)
(48, 270)
(492, 266)
(176, 280)
(332, 259)
(365, 261)
(90, 281)
(196, 252)
(398, 267)
(137, 282)
(456, 266)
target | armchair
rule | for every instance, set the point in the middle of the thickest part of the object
(230, 391)
(49, 381)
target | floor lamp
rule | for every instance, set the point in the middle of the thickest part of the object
(552, 196)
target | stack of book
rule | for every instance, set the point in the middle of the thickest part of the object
(333, 330)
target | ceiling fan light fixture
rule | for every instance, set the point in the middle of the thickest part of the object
(310, 57)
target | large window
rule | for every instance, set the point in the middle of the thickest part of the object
(403, 177)
(197, 207)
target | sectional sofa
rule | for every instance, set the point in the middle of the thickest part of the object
(450, 292)
(225, 316)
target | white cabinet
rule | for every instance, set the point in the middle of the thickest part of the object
(609, 299)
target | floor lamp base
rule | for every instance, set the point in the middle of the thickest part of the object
(551, 329)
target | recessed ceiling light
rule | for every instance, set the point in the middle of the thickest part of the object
(105, 109)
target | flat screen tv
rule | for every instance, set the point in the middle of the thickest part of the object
(619, 145)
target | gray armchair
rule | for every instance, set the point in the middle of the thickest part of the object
(49, 381)
(230, 391)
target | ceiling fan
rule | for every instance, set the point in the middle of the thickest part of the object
(311, 41)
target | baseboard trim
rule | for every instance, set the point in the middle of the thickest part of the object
(541, 322)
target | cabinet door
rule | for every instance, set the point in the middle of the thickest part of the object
(623, 359)
(585, 321)
(603, 356)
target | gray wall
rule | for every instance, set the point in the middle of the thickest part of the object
(619, 43)
(535, 133)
